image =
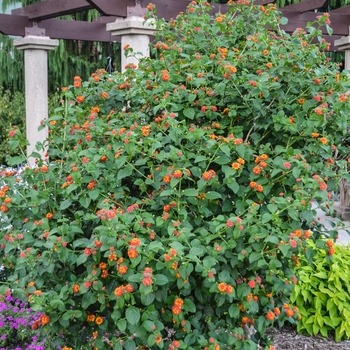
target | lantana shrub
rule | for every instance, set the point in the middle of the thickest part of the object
(176, 197)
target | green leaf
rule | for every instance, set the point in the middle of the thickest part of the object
(213, 195)
(234, 311)
(133, 315)
(190, 192)
(283, 21)
(161, 280)
(189, 113)
(88, 299)
(147, 299)
(81, 259)
(189, 305)
(130, 345)
(254, 257)
(65, 204)
(93, 194)
(121, 325)
(329, 30)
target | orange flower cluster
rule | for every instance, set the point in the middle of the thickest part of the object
(77, 82)
(330, 245)
(42, 321)
(177, 306)
(119, 291)
(207, 175)
(225, 288)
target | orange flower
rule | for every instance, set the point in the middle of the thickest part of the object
(7, 200)
(76, 288)
(218, 19)
(44, 319)
(264, 156)
(118, 292)
(125, 47)
(289, 313)
(178, 302)
(270, 316)
(165, 77)
(104, 95)
(167, 178)
(102, 265)
(256, 170)
(269, 65)
(49, 216)
(315, 135)
(80, 99)
(99, 320)
(228, 289)
(176, 310)
(177, 174)
(235, 166)
(122, 269)
(135, 242)
(323, 140)
(259, 188)
(245, 319)
(222, 286)
(129, 288)
(240, 161)
(132, 253)
(252, 184)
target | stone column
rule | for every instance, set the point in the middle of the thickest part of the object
(135, 32)
(343, 44)
(36, 91)
(343, 207)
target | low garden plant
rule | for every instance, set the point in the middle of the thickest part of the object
(175, 198)
(322, 294)
(17, 325)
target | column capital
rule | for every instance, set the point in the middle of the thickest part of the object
(343, 43)
(34, 42)
(132, 25)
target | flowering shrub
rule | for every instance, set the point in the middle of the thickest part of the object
(177, 196)
(17, 322)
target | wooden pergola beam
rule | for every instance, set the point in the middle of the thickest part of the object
(343, 10)
(13, 25)
(77, 30)
(51, 9)
(339, 22)
(306, 5)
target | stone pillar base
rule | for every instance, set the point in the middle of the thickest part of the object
(344, 212)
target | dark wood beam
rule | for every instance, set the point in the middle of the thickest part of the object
(51, 9)
(344, 10)
(112, 7)
(13, 25)
(339, 22)
(306, 5)
(77, 30)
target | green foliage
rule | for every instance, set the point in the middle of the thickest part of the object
(12, 114)
(323, 292)
(177, 195)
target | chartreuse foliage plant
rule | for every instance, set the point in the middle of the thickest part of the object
(176, 196)
(323, 292)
